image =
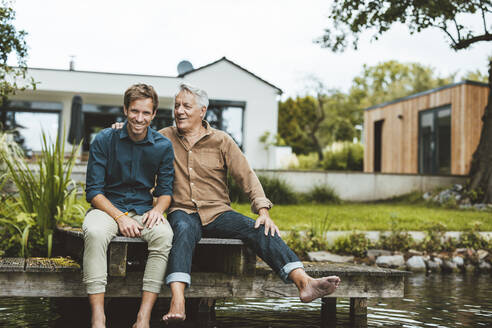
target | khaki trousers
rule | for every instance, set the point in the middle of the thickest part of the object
(99, 228)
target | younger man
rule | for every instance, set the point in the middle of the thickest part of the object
(124, 165)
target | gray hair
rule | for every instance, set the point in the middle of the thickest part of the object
(201, 96)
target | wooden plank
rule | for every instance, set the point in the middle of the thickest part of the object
(12, 264)
(265, 283)
(328, 310)
(117, 259)
(55, 265)
(358, 306)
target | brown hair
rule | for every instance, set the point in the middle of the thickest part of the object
(141, 91)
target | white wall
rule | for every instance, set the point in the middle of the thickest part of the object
(354, 186)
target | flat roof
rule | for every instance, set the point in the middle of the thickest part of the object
(423, 93)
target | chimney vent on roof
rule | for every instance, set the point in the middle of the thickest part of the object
(72, 63)
(184, 66)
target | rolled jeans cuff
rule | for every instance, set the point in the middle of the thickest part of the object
(287, 269)
(179, 277)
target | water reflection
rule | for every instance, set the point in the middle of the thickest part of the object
(430, 301)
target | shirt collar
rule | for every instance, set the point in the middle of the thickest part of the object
(148, 138)
(205, 124)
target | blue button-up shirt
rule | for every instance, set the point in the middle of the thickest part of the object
(125, 171)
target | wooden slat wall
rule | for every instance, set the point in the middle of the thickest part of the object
(400, 136)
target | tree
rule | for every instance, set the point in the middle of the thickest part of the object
(349, 18)
(12, 42)
(391, 80)
(294, 123)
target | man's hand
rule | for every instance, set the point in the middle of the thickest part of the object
(265, 219)
(129, 227)
(152, 217)
(117, 125)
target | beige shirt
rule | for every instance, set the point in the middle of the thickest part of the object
(200, 180)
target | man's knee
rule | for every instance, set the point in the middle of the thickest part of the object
(161, 236)
(185, 227)
(96, 235)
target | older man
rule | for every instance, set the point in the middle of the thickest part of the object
(201, 206)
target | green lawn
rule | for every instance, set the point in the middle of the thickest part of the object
(374, 216)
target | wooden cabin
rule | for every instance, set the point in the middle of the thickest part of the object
(432, 132)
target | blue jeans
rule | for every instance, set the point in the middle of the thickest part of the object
(188, 230)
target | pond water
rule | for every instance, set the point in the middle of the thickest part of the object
(430, 301)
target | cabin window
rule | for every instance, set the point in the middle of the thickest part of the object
(435, 141)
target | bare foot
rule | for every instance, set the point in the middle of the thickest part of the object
(316, 288)
(176, 311)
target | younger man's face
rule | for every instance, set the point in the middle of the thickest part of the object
(139, 115)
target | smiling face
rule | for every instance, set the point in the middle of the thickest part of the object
(139, 114)
(188, 114)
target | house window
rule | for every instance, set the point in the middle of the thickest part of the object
(227, 116)
(99, 117)
(29, 119)
(435, 141)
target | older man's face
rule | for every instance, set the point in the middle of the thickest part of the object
(187, 112)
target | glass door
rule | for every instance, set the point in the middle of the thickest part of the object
(435, 141)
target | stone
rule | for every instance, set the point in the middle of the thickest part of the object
(323, 256)
(449, 266)
(390, 261)
(480, 207)
(426, 196)
(416, 264)
(482, 254)
(378, 252)
(465, 206)
(484, 266)
(458, 187)
(459, 261)
(413, 252)
(435, 264)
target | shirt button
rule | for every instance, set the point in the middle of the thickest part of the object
(192, 200)
(191, 168)
(192, 183)
(191, 152)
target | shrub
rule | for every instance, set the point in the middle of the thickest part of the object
(44, 192)
(307, 162)
(322, 195)
(434, 238)
(312, 241)
(350, 157)
(277, 190)
(355, 244)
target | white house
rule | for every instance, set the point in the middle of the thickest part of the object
(241, 103)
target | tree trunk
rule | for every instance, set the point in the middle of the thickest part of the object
(481, 166)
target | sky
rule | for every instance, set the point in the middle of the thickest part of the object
(272, 39)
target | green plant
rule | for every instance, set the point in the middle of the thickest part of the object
(44, 191)
(307, 162)
(355, 244)
(473, 239)
(398, 239)
(312, 241)
(434, 238)
(322, 195)
(278, 190)
(350, 157)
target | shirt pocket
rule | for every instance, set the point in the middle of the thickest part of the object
(211, 159)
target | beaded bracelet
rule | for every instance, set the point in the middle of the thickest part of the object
(119, 216)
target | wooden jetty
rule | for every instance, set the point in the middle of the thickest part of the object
(222, 268)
